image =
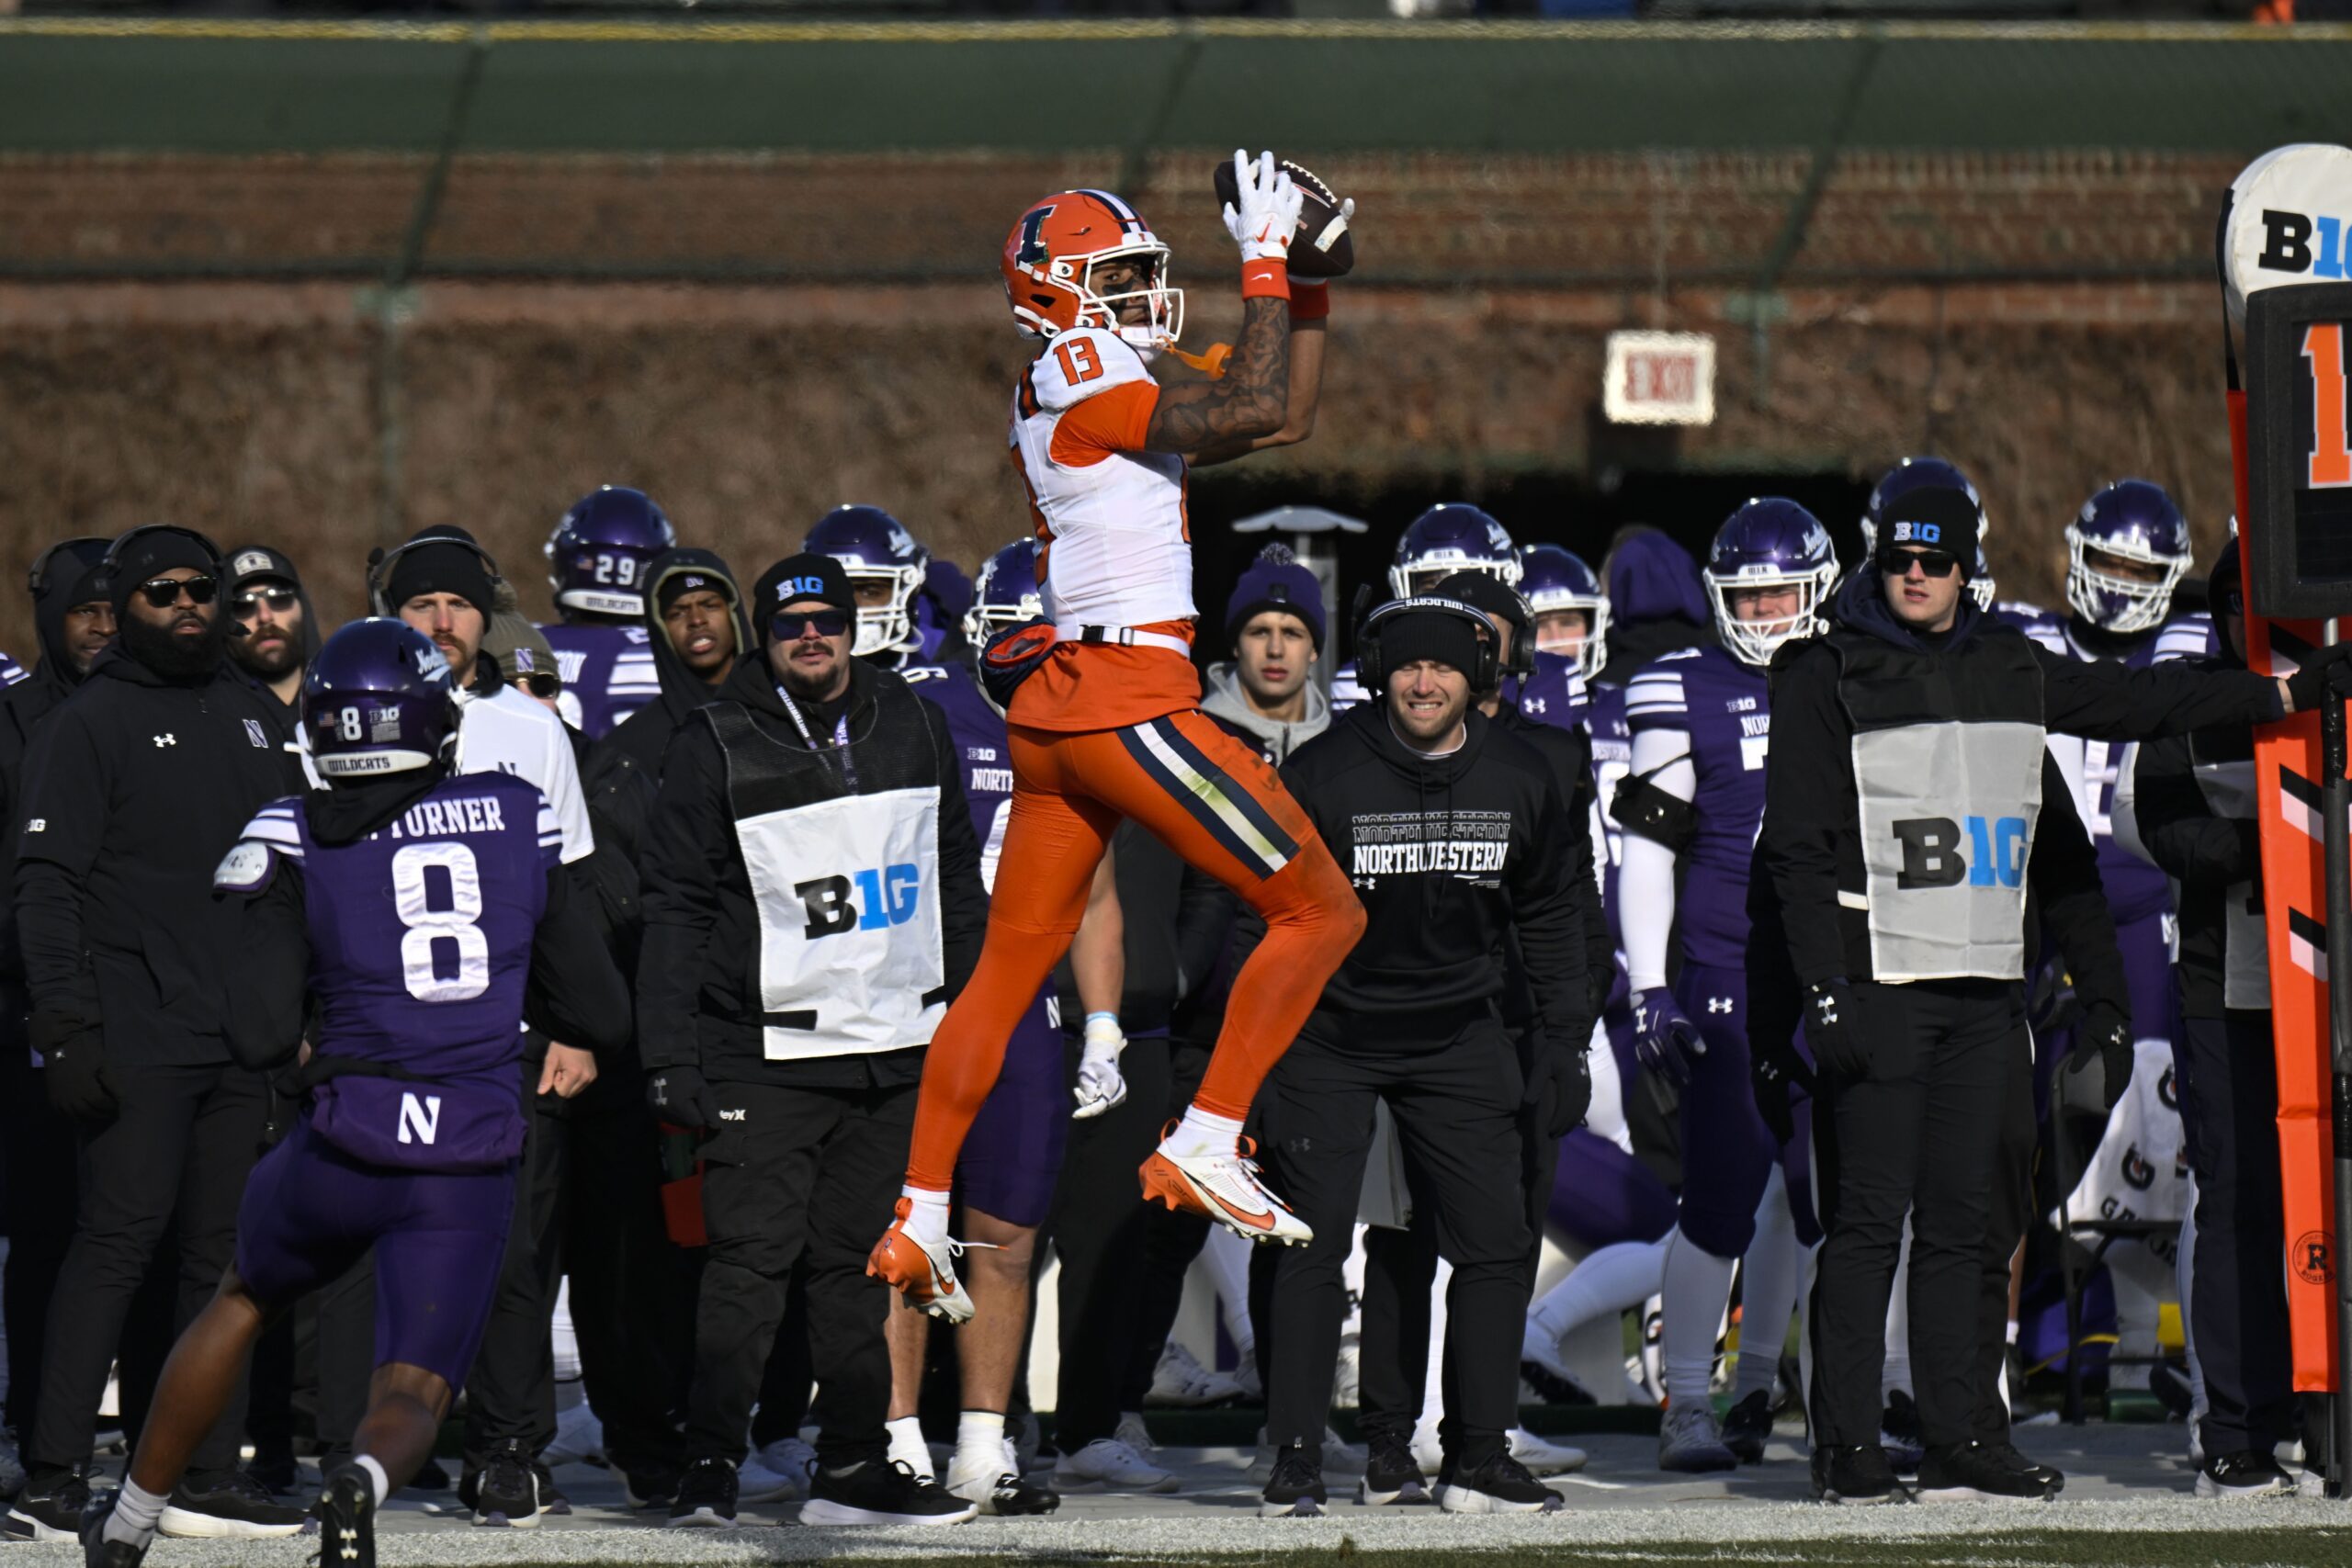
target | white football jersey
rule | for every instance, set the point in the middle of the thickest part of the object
(1114, 544)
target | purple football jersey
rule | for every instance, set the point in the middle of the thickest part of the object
(982, 749)
(420, 944)
(2135, 889)
(608, 673)
(1724, 706)
(1555, 693)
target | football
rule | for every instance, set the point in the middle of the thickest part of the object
(1323, 247)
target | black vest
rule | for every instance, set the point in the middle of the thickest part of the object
(1947, 765)
(840, 847)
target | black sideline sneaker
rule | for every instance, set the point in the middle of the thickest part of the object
(1856, 1474)
(1978, 1472)
(1294, 1491)
(1497, 1484)
(881, 1492)
(705, 1498)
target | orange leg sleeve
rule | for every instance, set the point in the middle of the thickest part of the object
(1052, 844)
(1218, 804)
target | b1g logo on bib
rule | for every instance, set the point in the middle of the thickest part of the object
(864, 901)
(1983, 851)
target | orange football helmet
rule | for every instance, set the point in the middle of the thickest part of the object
(1049, 261)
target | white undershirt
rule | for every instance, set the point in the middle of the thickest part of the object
(1645, 878)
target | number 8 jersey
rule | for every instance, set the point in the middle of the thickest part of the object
(421, 931)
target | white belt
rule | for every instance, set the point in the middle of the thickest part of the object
(1120, 637)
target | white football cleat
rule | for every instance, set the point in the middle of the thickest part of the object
(1224, 1186)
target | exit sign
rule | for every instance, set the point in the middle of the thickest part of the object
(1659, 378)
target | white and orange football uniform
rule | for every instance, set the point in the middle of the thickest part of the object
(1110, 728)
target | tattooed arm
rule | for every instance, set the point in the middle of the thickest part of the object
(1252, 401)
(1307, 341)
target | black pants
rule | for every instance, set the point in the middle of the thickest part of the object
(1101, 1231)
(632, 1304)
(1400, 1269)
(795, 1171)
(2229, 1104)
(1453, 1087)
(510, 1393)
(1172, 1239)
(38, 1145)
(2011, 1214)
(1921, 1134)
(173, 1158)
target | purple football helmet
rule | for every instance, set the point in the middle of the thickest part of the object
(1005, 593)
(1916, 473)
(1769, 543)
(598, 553)
(1552, 578)
(2130, 519)
(1447, 538)
(874, 547)
(377, 700)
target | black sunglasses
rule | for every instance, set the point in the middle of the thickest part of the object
(542, 684)
(791, 626)
(162, 593)
(1934, 563)
(279, 600)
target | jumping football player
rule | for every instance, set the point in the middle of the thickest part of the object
(1105, 724)
(426, 912)
(597, 561)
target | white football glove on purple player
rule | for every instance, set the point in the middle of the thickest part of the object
(1100, 1087)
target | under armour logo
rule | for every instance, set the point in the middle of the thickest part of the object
(167, 740)
(1719, 1004)
(1828, 1008)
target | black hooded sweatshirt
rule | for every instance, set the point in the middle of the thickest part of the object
(698, 971)
(26, 705)
(133, 791)
(1450, 856)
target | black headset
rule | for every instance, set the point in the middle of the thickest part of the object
(1372, 667)
(37, 579)
(379, 567)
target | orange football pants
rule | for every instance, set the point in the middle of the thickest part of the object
(1214, 802)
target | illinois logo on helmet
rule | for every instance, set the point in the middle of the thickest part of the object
(1054, 251)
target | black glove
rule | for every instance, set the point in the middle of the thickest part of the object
(1559, 1090)
(74, 1052)
(2326, 673)
(2104, 1037)
(1776, 1073)
(680, 1097)
(1830, 1029)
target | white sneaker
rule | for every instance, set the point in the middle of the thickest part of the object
(1539, 1350)
(1135, 1434)
(1245, 1373)
(1225, 1187)
(777, 1474)
(1107, 1464)
(578, 1439)
(1182, 1381)
(1338, 1458)
(1428, 1452)
(1540, 1458)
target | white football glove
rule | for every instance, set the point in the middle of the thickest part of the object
(1266, 215)
(1100, 1087)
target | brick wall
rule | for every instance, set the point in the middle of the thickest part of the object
(261, 408)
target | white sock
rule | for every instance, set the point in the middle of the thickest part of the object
(1696, 1288)
(377, 1481)
(132, 1521)
(1227, 1258)
(907, 1445)
(1767, 1290)
(1608, 1283)
(979, 1437)
(926, 1215)
(1897, 1375)
(1203, 1133)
